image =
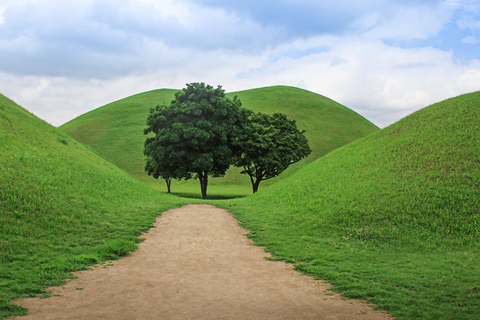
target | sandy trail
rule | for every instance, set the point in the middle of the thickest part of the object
(196, 264)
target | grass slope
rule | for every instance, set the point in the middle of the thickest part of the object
(115, 131)
(393, 218)
(62, 207)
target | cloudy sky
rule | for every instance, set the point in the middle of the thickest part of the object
(382, 58)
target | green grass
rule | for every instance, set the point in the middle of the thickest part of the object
(393, 218)
(115, 131)
(62, 208)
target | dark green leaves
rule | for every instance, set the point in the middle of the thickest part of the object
(194, 134)
(269, 144)
(202, 133)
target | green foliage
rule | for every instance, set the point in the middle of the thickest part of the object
(193, 135)
(115, 131)
(62, 208)
(392, 218)
(269, 144)
(115, 249)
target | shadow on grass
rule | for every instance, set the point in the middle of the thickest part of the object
(192, 195)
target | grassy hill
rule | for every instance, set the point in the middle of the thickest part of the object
(115, 131)
(61, 207)
(393, 218)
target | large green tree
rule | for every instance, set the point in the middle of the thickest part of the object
(194, 134)
(269, 144)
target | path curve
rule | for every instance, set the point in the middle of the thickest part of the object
(196, 264)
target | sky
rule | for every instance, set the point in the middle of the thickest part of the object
(383, 59)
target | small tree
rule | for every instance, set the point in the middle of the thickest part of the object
(269, 144)
(194, 134)
(161, 162)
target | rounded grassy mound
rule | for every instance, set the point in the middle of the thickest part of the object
(62, 207)
(115, 131)
(393, 217)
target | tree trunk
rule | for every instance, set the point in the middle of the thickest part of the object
(203, 177)
(254, 178)
(255, 185)
(168, 181)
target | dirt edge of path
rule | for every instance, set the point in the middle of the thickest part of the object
(196, 263)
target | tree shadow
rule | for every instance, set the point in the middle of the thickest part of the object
(192, 195)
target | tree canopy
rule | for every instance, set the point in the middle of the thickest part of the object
(269, 144)
(194, 134)
(201, 133)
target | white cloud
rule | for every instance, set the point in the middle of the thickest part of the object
(380, 82)
(2, 10)
(470, 40)
(61, 59)
(469, 21)
(58, 99)
(408, 22)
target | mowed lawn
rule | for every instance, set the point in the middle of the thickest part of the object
(392, 218)
(62, 208)
(115, 132)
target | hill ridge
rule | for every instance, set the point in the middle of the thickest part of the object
(62, 208)
(118, 126)
(392, 217)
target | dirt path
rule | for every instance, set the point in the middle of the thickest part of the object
(197, 264)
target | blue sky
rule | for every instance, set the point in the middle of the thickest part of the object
(383, 59)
